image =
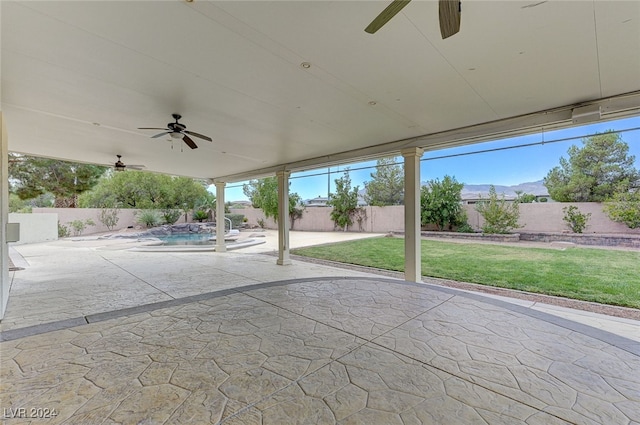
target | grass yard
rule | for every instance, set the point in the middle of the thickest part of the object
(603, 276)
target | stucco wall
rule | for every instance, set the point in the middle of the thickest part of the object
(67, 215)
(547, 217)
(378, 219)
(36, 227)
(536, 217)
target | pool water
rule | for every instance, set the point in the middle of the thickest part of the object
(187, 239)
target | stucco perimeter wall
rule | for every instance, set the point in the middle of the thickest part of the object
(67, 215)
(318, 219)
(536, 217)
(36, 227)
(547, 217)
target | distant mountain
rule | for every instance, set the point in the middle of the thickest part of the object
(474, 191)
(478, 190)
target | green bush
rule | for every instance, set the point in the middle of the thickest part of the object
(624, 207)
(236, 219)
(79, 226)
(200, 215)
(576, 220)
(170, 216)
(465, 228)
(440, 203)
(150, 218)
(63, 231)
(499, 215)
(109, 217)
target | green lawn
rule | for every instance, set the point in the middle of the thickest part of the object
(603, 276)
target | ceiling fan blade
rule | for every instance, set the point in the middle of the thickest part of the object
(136, 167)
(201, 136)
(189, 142)
(151, 128)
(161, 134)
(384, 17)
(449, 14)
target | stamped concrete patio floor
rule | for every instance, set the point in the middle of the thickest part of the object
(210, 343)
(323, 351)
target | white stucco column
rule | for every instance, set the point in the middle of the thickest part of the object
(220, 221)
(283, 218)
(412, 251)
(4, 217)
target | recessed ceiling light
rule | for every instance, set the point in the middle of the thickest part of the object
(97, 124)
(305, 65)
(373, 103)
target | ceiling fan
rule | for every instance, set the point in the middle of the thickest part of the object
(449, 14)
(178, 131)
(120, 166)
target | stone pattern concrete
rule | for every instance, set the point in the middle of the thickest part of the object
(67, 279)
(325, 351)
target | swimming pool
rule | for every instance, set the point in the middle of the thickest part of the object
(187, 239)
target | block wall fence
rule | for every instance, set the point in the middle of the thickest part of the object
(534, 218)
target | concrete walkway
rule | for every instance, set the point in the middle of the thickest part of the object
(96, 335)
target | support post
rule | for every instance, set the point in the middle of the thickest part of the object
(412, 251)
(220, 221)
(4, 217)
(283, 218)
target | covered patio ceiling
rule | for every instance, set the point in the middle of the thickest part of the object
(297, 84)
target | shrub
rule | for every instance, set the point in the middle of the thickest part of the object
(440, 203)
(169, 216)
(150, 218)
(576, 220)
(499, 215)
(465, 228)
(624, 207)
(78, 226)
(525, 198)
(200, 216)
(63, 231)
(261, 223)
(109, 217)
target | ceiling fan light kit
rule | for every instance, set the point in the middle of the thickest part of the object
(449, 12)
(178, 130)
(120, 166)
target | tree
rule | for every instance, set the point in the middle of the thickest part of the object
(499, 215)
(144, 190)
(344, 202)
(263, 194)
(207, 204)
(33, 176)
(440, 203)
(130, 189)
(624, 207)
(387, 186)
(594, 172)
(525, 198)
(184, 193)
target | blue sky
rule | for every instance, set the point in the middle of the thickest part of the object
(505, 167)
